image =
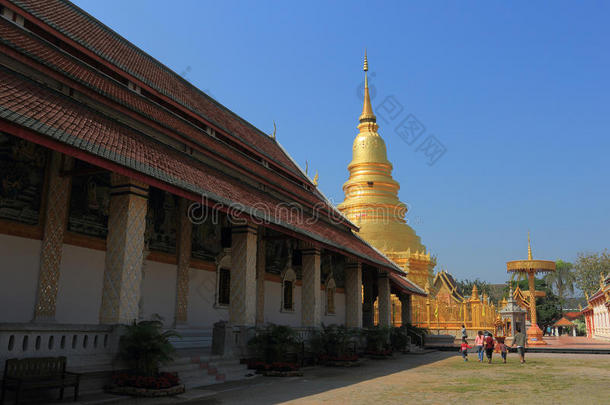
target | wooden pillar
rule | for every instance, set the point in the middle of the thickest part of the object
(311, 308)
(124, 250)
(260, 278)
(385, 305)
(55, 220)
(353, 294)
(185, 232)
(242, 303)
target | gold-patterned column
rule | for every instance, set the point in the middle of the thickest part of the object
(242, 303)
(55, 220)
(385, 304)
(124, 250)
(260, 277)
(353, 294)
(368, 306)
(311, 308)
(185, 232)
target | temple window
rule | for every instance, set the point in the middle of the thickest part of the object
(223, 279)
(22, 169)
(289, 279)
(224, 286)
(330, 289)
(161, 221)
(89, 201)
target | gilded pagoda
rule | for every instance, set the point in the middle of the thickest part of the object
(372, 203)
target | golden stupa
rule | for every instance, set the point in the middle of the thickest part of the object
(371, 200)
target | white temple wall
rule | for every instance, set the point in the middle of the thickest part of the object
(202, 312)
(158, 291)
(18, 277)
(81, 279)
(273, 303)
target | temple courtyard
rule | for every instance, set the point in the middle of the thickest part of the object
(434, 378)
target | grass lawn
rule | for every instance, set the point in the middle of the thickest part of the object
(560, 378)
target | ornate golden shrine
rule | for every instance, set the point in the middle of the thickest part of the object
(529, 268)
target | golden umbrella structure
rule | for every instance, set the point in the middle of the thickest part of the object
(529, 268)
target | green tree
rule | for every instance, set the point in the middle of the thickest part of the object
(587, 269)
(562, 281)
(547, 307)
(464, 287)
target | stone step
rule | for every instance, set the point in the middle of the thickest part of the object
(181, 367)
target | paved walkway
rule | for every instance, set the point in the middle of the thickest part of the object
(575, 342)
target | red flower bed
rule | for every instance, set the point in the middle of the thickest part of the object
(160, 381)
(384, 352)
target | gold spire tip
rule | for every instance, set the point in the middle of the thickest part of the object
(366, 62)
(529, 247)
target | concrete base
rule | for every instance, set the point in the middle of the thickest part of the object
(534, 336)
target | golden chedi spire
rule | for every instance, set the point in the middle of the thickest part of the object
(371, 194)
(529, 247)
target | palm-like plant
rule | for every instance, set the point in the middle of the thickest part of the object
(562, 280)
(145, 346)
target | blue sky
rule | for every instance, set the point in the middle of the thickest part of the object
(517, 93)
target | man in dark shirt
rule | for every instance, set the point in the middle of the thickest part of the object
(520, 340)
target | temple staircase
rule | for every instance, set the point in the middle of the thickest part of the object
(198, 367)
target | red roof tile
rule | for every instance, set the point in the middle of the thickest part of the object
(91, 34)
(66, 65)
(406, 285)
(28, 104)
(563, 322)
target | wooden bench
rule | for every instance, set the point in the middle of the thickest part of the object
(38, 373)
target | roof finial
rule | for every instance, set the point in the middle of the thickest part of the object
(367, 109)
(366, 62)
(315, 179)
(529, 247)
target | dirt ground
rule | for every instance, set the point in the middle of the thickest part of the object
(437, 378)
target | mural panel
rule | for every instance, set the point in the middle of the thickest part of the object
(89, 202)
(161, 221)
(22, 166)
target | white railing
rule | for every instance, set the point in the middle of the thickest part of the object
(77, 342)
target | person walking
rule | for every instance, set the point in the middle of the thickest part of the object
(502, 347)
(464, 332)
(520, 340)
(478, 344)
(488, 342)
(464, 349)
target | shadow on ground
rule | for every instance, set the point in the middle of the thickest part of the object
(271, 390)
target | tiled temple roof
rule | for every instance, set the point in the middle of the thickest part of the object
(36, 110)
(406, 285)
(85, 30)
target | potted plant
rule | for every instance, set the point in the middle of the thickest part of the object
(333, 346)
(272, 347)
(378, 342)
(144, 348)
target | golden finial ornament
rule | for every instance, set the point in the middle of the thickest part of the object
(367, 109)
(529, 247)
(274, 130)
(315, 179)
